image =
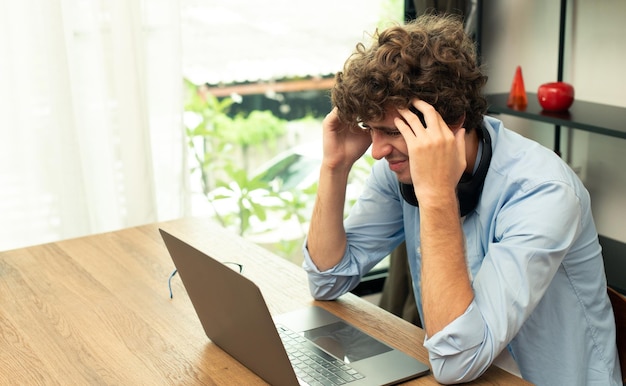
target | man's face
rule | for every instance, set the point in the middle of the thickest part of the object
(388, 143)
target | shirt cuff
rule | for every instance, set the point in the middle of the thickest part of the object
(464, 333)
(344, 267)
(332, 283)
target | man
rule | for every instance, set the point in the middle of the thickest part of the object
(502, 247)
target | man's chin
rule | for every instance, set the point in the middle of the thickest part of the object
(404, 180)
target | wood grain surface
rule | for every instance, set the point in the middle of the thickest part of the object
(96, 311)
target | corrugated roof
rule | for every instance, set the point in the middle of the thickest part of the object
(243, 40)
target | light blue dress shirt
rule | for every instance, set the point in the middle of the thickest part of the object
(535, 263)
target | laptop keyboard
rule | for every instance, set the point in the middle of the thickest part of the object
(315, 366)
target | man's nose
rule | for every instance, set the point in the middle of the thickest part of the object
(380, 145)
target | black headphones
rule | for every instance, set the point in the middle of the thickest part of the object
(469, 187)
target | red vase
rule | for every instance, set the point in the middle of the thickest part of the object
(517, 97)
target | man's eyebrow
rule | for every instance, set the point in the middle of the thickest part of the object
(379, 128)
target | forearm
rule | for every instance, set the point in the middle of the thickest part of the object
(446, 287)
(326, 241)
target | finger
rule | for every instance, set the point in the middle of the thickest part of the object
(419, 114)
(429, 115)
(413, 117)
(404, 128)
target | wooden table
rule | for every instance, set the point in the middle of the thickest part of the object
(96, 310)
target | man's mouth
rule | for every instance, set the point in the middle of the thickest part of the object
(397, 165)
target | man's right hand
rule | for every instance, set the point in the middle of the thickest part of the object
(343, 144)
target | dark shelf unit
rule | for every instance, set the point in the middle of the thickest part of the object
(593, 117)
(588, 116)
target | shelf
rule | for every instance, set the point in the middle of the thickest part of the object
(587, 116)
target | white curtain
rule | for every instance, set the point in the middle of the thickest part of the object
(91, 135)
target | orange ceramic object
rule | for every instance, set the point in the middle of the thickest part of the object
(517, 97)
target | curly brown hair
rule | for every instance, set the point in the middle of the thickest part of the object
(430, 58)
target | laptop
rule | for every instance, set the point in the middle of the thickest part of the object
(236, 318)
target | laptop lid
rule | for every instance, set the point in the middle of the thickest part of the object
(236, 318)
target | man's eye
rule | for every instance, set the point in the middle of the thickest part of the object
(393, 133)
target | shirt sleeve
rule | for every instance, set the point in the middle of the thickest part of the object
(374, 227)
(533, 232)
